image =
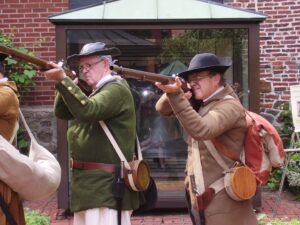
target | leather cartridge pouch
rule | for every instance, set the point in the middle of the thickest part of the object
(138, 177)
(204, 199)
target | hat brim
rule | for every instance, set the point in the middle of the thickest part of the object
(225, 63)
(220, 69)
(74, 59)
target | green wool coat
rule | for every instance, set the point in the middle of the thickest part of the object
(114, 104)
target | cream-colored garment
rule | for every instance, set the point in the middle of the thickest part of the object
(101, 216)
(35, 177)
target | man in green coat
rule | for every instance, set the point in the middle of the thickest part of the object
(94, 160)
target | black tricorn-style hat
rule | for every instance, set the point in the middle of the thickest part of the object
(206, 62)
(97, 48)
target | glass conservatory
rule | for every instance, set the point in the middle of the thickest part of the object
(156, 38)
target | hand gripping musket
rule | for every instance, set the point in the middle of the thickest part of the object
(43, 65)
(146, 76)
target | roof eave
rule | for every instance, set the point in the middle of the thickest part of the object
(123, 21)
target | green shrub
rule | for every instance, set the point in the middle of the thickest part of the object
(274, 180)
(34, 217)
(20, 72)
(263, 219)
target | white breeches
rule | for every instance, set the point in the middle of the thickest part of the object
(101, 216)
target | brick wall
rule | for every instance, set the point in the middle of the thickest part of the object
(279, 46)
(26, 22)
(28, 25)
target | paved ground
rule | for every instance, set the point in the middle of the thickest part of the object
(288, 207)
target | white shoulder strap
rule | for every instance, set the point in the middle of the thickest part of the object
(197, 167)
(116, 146)
(215, 154)
(218, 185)
(26, 126)
(139, 150)
(14, 133)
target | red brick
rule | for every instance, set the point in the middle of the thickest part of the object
(277, 45)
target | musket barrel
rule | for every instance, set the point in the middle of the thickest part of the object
(147, 76)
(20, 55)
(44, 65)
(141, 75)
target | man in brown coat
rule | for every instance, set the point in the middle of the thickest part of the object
(9, 114)
(219, 116)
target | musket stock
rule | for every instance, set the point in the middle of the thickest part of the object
(145, 76)
(43, 65)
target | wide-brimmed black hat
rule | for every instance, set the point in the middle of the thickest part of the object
(97, 48)
(206, 62)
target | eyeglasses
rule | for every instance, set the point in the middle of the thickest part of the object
(88, 66)
(192, 81)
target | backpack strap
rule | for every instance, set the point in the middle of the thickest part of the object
(218, 145)
(222, 148)
(215, 154)
(225, 151)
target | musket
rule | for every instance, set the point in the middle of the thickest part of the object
(146, 76)
(44, 65)
(154, 77)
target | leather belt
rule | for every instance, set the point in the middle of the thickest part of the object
(80, 165)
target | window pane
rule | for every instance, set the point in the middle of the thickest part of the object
(73, 4)
(168, 52)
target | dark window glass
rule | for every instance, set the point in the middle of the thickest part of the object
(79, 3)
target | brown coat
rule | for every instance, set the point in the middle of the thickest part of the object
(9, 113)
(217, 118)
(9, 109)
